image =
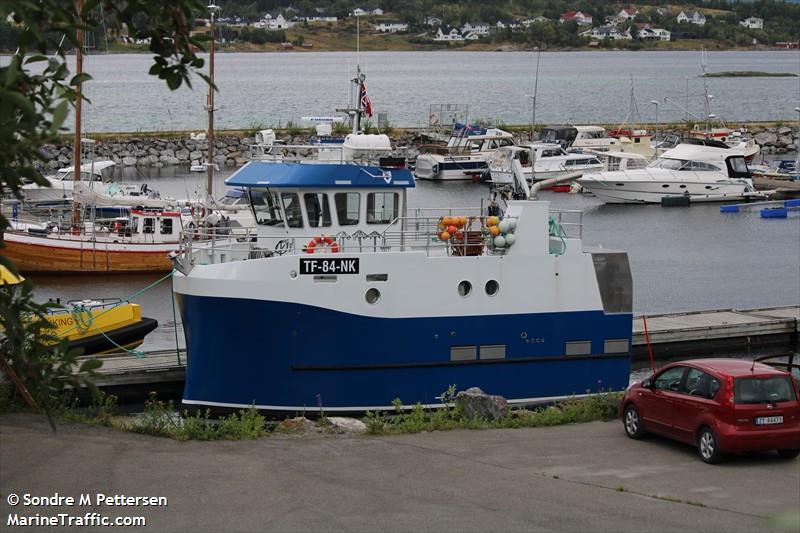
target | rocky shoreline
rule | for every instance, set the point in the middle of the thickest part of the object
(234, 150)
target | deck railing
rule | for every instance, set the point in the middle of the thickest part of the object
(402, 234)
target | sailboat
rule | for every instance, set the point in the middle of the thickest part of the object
(141, 241)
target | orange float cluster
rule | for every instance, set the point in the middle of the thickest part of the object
(451, 227)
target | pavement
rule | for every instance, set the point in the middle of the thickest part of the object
(583, 477)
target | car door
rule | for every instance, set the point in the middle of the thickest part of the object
(657, 403)
(694, 398)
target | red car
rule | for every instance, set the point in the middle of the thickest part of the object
(719, 405)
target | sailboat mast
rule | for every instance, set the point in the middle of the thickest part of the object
(210, 106)
(76, 147)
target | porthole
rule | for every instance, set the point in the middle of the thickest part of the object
(464, 288)
(666, 185)
(293, 274)
(620, 184)
(373, 295)
(492, 287)
(682, 186)
(708, 186)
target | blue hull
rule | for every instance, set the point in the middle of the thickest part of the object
(285, 357)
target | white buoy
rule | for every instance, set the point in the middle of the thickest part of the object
(512, 224)
(503, 226)
(510, 239)
(499, 241)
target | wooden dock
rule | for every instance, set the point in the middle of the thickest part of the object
(723, 331)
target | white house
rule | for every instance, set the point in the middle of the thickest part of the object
(273, 23)
(449, 34)
(662, 11)
(610, 32)
(321, 19)
(481, 28)
(695, 17)
(377, 11)
(628, 13)
(654, 34)
(391, 27)
(754, 23)
(583, 19)
(433, 21)
(535, 20)
(358, 12)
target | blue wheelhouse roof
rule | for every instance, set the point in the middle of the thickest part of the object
(319, 175)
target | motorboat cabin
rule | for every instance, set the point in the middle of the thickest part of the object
(464, 157)
(539, 161)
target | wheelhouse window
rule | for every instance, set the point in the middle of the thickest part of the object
(317, 209)
(382, 207)
(266, 207)
(291, 206)
(149, 225)
(166, 226)
(348, 206)
(697, 165)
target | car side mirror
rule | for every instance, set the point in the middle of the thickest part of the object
(647, 384)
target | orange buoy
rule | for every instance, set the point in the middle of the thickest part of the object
(494, 230)
(451, 229)
(445, 236)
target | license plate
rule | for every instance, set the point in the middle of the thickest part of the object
(765, 420)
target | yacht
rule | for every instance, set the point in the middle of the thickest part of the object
(581, 138)
(464, 157)
(540, 161)
(705, 172)
(61, 184)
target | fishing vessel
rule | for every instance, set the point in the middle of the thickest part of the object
(347, 298)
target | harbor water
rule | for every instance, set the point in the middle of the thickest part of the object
(271, 89)
(682, 258)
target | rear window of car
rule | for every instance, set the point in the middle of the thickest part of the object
(763, 390)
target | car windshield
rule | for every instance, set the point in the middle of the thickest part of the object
(763, 390)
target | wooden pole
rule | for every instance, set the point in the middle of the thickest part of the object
(210, 133)
(18, 383)
(76, 148)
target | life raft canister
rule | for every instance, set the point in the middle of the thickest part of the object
(322, 240)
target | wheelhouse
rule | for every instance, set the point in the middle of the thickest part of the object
(328, 198)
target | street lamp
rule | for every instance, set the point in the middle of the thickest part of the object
(533, 112)
(655, 103)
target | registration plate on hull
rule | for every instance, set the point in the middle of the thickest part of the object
(767, 420)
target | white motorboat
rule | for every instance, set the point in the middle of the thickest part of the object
(465, 156)
(119, 194)
(62, 183)
(540, 161)
(581, 138)
(701, 172)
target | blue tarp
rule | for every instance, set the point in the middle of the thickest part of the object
(318, 175)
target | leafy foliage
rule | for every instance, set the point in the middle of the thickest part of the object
(35, 94)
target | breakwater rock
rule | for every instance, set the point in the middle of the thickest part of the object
(234, 150)
(229, 150)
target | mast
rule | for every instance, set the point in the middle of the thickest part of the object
(214, 9)
(76, 145)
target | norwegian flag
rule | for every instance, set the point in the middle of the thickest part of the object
(363, 99)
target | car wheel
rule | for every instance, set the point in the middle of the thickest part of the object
(708, 447)
(633, 422)
(789, 454)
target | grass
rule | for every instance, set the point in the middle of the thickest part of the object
(415, 419)
(161, 419)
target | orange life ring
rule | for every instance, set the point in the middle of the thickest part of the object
(198, 211)
(322, 240)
